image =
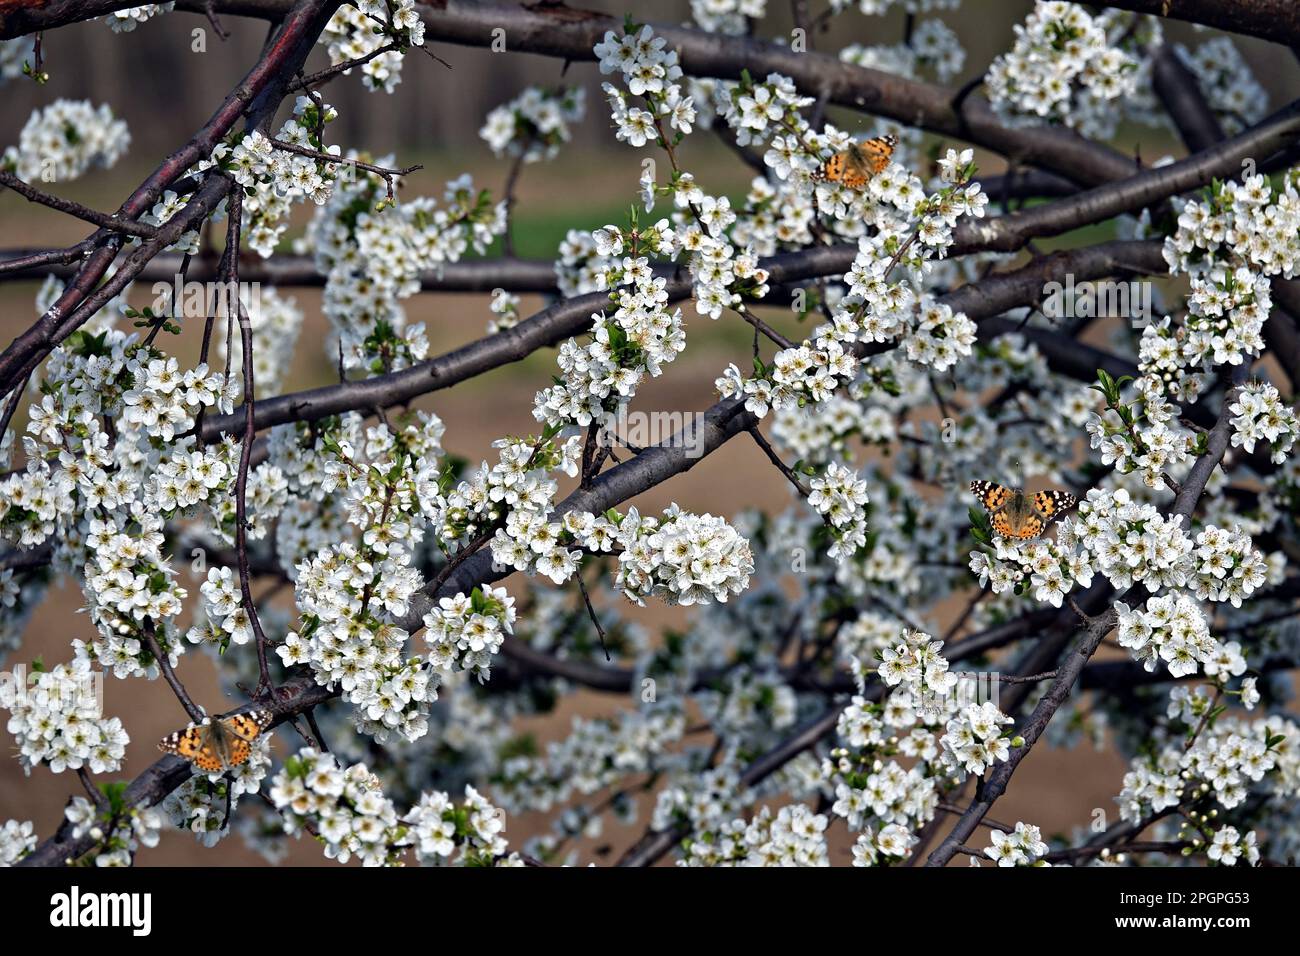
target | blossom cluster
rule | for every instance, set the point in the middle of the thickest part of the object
(118, 831)
(535, 124)
(929, 718)
(683, 557)
(975, 740)
(509, 502)
(876, 310)
(639, 338)
(124, 21)
(112, 457)
(352, 593)
(794, 836)
(933, 46)
(1062, 68)
(915, 662)
(64, 140)
(57, 719)
(580, 268)
(1222, 762)
(17, 839)
(1162, 444)
(1130, 541)
(892, 844)
(347, 810)
(377, 31)
(1020, 847)
(1224, 77)
(465, 834)
(1259, 414)
(161, 399)
(650, 72)
(1231, 244)
(841, 497)
(464, 632)
(129, 580)
(756, 110)
(349, 644)
(274, 178)
(372, 252)
(724, 269)
(1051, 571)
(1173, 629)
(877, 793)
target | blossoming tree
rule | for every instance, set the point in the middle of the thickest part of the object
(825, 692)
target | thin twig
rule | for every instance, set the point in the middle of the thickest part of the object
(76, 209)
(591, 611)
(775, 459)
(387, 174)
(169, 675)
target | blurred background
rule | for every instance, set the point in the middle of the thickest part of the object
(153, 80)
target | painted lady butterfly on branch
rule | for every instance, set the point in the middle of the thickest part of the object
(1014, 514)
(855, 165)
(220, 744)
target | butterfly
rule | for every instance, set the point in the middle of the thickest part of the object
(855, 165)
(1017, 515)
(218, 745)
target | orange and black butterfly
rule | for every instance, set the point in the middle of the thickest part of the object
(220, 744)
(855, 165)
(1014, 514)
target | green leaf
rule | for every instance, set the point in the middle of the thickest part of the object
(115, 792)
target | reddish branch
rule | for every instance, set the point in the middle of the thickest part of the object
(256, 97)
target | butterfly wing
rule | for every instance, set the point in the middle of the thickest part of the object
(876, 152)
(1008, 511)
(855, 172)
(854, 166)
(196, 745)
(237, 751)
(1051, 505)
(992, 496)
(1021, 523)
(248, 726)
(836, 169)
